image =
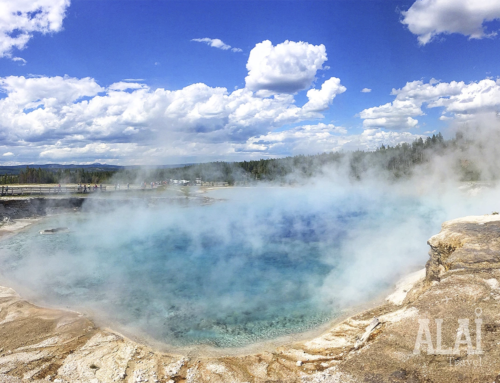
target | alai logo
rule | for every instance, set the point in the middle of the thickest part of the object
(463, 337)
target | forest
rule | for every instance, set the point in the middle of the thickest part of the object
(394, 162)
(397, 162)
(32, 175)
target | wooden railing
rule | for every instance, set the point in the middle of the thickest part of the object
(42, 190)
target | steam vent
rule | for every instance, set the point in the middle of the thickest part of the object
(441, 324)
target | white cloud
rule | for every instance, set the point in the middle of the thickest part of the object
(313, 139)
(320, 99)
(8, 154)
(64, 119)
(429, 18)
(88, 151)
(20, 60)
(59, 116)
(372, 139)
(366, 90)
(417, 90)
(217, 43)
(48, 91)
(120, 86)
(285, 68)
(307, 139)
(131, 130)
(396, 123)
(19, 19)
(396, 115)
(70, 119)
(473, 98)
(457, 99)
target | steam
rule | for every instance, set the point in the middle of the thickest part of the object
(260, 262)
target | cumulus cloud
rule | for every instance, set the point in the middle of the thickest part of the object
(291, 141)
(458, 100)
(19, 19)
(320, 99)
(429, 18)
(64, 119)
(47, 91)
(313, 139)
(366, 90)
(395, 115)
(122, 85)
(65, 116)
(217, 43)
(285, 68)
(8, 154)
(88, 151)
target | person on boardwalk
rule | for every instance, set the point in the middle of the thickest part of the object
(85, 188)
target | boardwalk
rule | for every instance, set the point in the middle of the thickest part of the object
(45, 190)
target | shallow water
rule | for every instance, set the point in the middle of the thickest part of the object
(226, 275)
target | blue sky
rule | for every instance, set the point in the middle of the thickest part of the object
(265, 78)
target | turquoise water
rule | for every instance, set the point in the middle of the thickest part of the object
(224, 275)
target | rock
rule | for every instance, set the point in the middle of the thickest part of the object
(465, 243)
(55, 230)
(371, 327)
(404, 285)
(22, 207)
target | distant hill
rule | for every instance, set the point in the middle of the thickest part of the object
(16, 169)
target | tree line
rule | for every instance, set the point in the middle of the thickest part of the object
(395, 162)
(57, 176)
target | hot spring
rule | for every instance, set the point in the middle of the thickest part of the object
(268, 263)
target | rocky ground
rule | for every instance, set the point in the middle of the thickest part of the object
(14, 208)
(24, 207)
(441, 325)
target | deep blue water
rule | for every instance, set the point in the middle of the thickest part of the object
(226, 275)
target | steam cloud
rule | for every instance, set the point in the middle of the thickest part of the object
(266, 261)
